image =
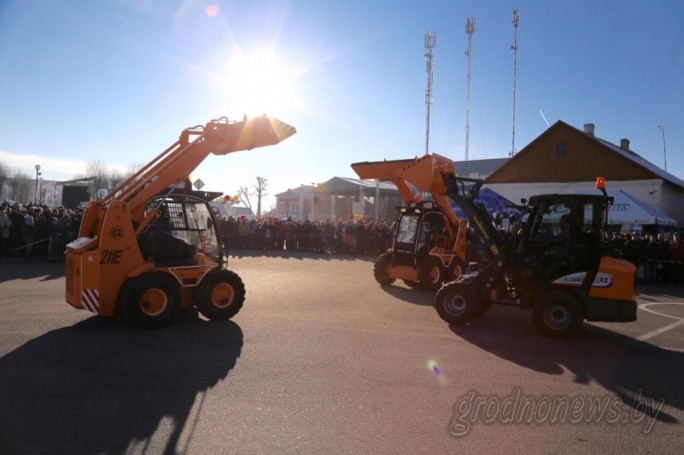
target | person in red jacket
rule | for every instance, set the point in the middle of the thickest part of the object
(677, 258)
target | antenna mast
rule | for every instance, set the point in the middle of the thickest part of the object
(470, 30)
(516, 19)
(430, 42)
(662, 128)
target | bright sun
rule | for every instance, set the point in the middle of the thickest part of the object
(260, 83)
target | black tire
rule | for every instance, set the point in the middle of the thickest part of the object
(558, 316)
(220, 295)
(431, 274)
(456, 269)
(150, 300)
(411, 284)
(381, 269)
(457, 302)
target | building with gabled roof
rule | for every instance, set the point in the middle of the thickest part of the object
(339, 198)
(343, 198)
(564, 159)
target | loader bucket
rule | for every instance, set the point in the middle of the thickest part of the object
(419, 172)
(247, 134)
(381, 170)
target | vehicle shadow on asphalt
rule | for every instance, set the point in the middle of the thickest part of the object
(637, 372)
(415, 296)
(100, 387)
(299, 255)
(20, 269)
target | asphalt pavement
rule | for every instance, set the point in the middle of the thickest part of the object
(321, 359)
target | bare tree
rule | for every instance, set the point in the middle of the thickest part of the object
(134, 167)
(99, 171)
(243, 193)
(20, 182)
(106, 178)
(4, 175)
(116, 178)
(260, 192)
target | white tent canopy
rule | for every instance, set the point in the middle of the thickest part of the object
(629, 211)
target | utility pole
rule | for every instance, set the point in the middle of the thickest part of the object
(35, 197)
(470, 30)
(662, 128)
(516, 19)
(430, 42)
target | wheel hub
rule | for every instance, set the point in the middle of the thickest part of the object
(222, 295)
(557, 316)
(455, 305)
(153, 302)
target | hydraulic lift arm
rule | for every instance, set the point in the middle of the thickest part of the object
(424, 173)
(478, 216)
(173, 166)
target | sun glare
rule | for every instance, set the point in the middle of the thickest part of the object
(260, 83)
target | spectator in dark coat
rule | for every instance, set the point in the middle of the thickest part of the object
(677, 260)
(17, 219)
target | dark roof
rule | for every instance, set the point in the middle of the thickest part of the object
(344, 185)
(639, 160)
(292, 191)
(480, 167)
(630, 155)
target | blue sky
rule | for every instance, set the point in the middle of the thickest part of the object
(117, 80)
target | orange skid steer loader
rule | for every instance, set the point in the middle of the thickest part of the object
(152, 245)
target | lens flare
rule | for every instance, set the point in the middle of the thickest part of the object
(211, 10)
(434, 367)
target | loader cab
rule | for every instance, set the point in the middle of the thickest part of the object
(185, 230)
(562, 236)
(420, 228)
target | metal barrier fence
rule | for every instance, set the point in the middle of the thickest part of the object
(264, 241)
(661, 271)
(57, 245)
(327, 243)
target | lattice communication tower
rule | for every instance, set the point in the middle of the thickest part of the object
(430, 42)
(516, 19)
(470, 30)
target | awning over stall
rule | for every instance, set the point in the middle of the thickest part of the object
(626, 209)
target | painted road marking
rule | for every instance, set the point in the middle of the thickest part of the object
(653, 333)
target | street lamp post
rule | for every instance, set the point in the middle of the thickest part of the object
(313, 201)
(37, 166)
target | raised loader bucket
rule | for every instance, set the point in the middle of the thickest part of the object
(247, 134)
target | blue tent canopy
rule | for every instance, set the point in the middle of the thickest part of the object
(494, 202)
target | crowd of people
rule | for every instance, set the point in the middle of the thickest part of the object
(35, 230)
(659, 258)
(357, 238)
